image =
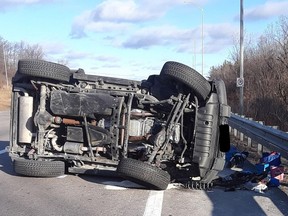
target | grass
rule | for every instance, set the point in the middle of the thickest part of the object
(5, 98)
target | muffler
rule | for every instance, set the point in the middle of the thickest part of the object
(25, 125)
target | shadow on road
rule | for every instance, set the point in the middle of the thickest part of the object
(116, 183)
(5, 160)
(238, 202)
(248, 202)
(3, 144)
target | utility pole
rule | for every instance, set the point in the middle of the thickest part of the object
(5, 68)
(202, 34)
(202, 37)
(240, 80)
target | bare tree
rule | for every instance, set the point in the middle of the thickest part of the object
(3, 70)
(15, 51)
(266, 76)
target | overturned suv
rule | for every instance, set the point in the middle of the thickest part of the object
(171, 127)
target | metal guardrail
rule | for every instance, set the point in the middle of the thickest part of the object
(269, 137)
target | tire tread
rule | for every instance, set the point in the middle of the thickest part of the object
(144, 174)
(39, 168)
(188, 76)
(44, 69)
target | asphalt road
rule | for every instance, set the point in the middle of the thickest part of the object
(90, 195)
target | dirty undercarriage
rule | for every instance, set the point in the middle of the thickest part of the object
(170, 127)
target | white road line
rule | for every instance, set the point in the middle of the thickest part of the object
(3, 151)
(112, 187)
(154, 203)
(62, 176)
(123, 185)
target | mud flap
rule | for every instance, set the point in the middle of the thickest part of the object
(218, 165)
(206, 146)
(224, 138)
(210, 133)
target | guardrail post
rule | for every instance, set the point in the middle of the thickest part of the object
(235, 132)
(249, 140)
(264, 137)
(241, 135)
(259, 146)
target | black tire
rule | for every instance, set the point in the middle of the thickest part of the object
(44, 69)
(39, 168)
(144, 174)
(190, 77)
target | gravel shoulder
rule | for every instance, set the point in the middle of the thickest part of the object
(5, 98)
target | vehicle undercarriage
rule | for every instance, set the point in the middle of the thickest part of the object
(171, 127)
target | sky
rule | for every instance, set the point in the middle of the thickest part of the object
(134, 38)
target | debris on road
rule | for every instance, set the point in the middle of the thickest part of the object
(269, 172)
